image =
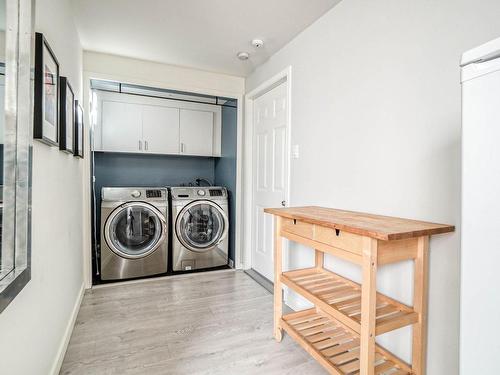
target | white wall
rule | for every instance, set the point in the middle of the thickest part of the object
(33, 325)
(142, 72)
(376, 111)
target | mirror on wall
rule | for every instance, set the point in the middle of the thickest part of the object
(6, 254)
(16, 134)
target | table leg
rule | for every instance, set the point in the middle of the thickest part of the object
(368, 306)
(319, 257)
(420, 296)
(278, 269)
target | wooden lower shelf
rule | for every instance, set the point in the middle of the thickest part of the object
(341, 298)
(334, 346)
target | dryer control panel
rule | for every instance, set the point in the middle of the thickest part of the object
(192, 193)
(216, 192)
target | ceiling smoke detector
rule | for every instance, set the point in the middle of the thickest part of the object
(243, 56)
(257, 43)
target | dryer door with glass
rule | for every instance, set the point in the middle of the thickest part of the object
(201, 226)
(134, 230)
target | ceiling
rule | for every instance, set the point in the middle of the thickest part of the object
(202, 34)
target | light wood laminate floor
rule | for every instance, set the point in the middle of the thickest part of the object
(204, 323)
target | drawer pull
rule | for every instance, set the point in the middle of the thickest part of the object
(294, 222)
(337, 232)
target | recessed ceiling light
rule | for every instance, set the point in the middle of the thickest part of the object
(243, 56)
(257, 43)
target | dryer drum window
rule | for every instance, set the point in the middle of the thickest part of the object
(201, 226)
(134, 231)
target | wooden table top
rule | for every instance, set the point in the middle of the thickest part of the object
(375, 226)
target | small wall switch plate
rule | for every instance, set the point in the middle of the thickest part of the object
(295, 151)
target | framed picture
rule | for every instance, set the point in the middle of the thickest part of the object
(46, 111)
(66, 116)
(79, 132)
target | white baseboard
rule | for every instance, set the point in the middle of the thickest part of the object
(56, 367)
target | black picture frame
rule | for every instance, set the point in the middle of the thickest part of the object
(47, 87)
(66, 125)
(79, 131)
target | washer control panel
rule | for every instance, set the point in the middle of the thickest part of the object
(135, 194)
(156, 193)
(124, 194)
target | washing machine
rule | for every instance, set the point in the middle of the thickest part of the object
(134, 232)
(200, 227)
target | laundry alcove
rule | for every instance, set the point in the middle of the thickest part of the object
(148, 169)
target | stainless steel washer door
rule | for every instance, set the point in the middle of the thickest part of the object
(134, 230)
(201, 225)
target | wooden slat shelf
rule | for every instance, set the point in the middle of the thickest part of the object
(340, 331)
(341, 298)
(334, 346)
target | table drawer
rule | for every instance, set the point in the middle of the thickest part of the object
(337, 238)
(298, 227)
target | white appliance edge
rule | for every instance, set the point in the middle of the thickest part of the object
(479, 345)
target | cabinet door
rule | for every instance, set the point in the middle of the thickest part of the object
(121, 126)
(160, 129)
(196, 132)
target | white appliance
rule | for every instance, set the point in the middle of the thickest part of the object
(200, 228)
(480, 276)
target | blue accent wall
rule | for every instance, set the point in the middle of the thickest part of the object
(120, 169)
(225, 167)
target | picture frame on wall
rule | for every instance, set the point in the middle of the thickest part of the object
(79, 131)
(47, 87)
(67, 115)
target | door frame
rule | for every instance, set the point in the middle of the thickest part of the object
(285, 76)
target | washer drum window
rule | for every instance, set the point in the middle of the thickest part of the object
(201, 226)
(135, 230)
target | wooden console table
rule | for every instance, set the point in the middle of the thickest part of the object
(339, 332)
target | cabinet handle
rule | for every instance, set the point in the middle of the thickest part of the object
(140, 145)
(146, 145)
(182, 147)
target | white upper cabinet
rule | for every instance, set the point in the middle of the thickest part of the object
(196, 132)
(132, 123)
(160, 129)
(121, 126)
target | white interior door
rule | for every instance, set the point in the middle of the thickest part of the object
(121, 126)
(270, 172)
(196, 132)
(160, 129)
